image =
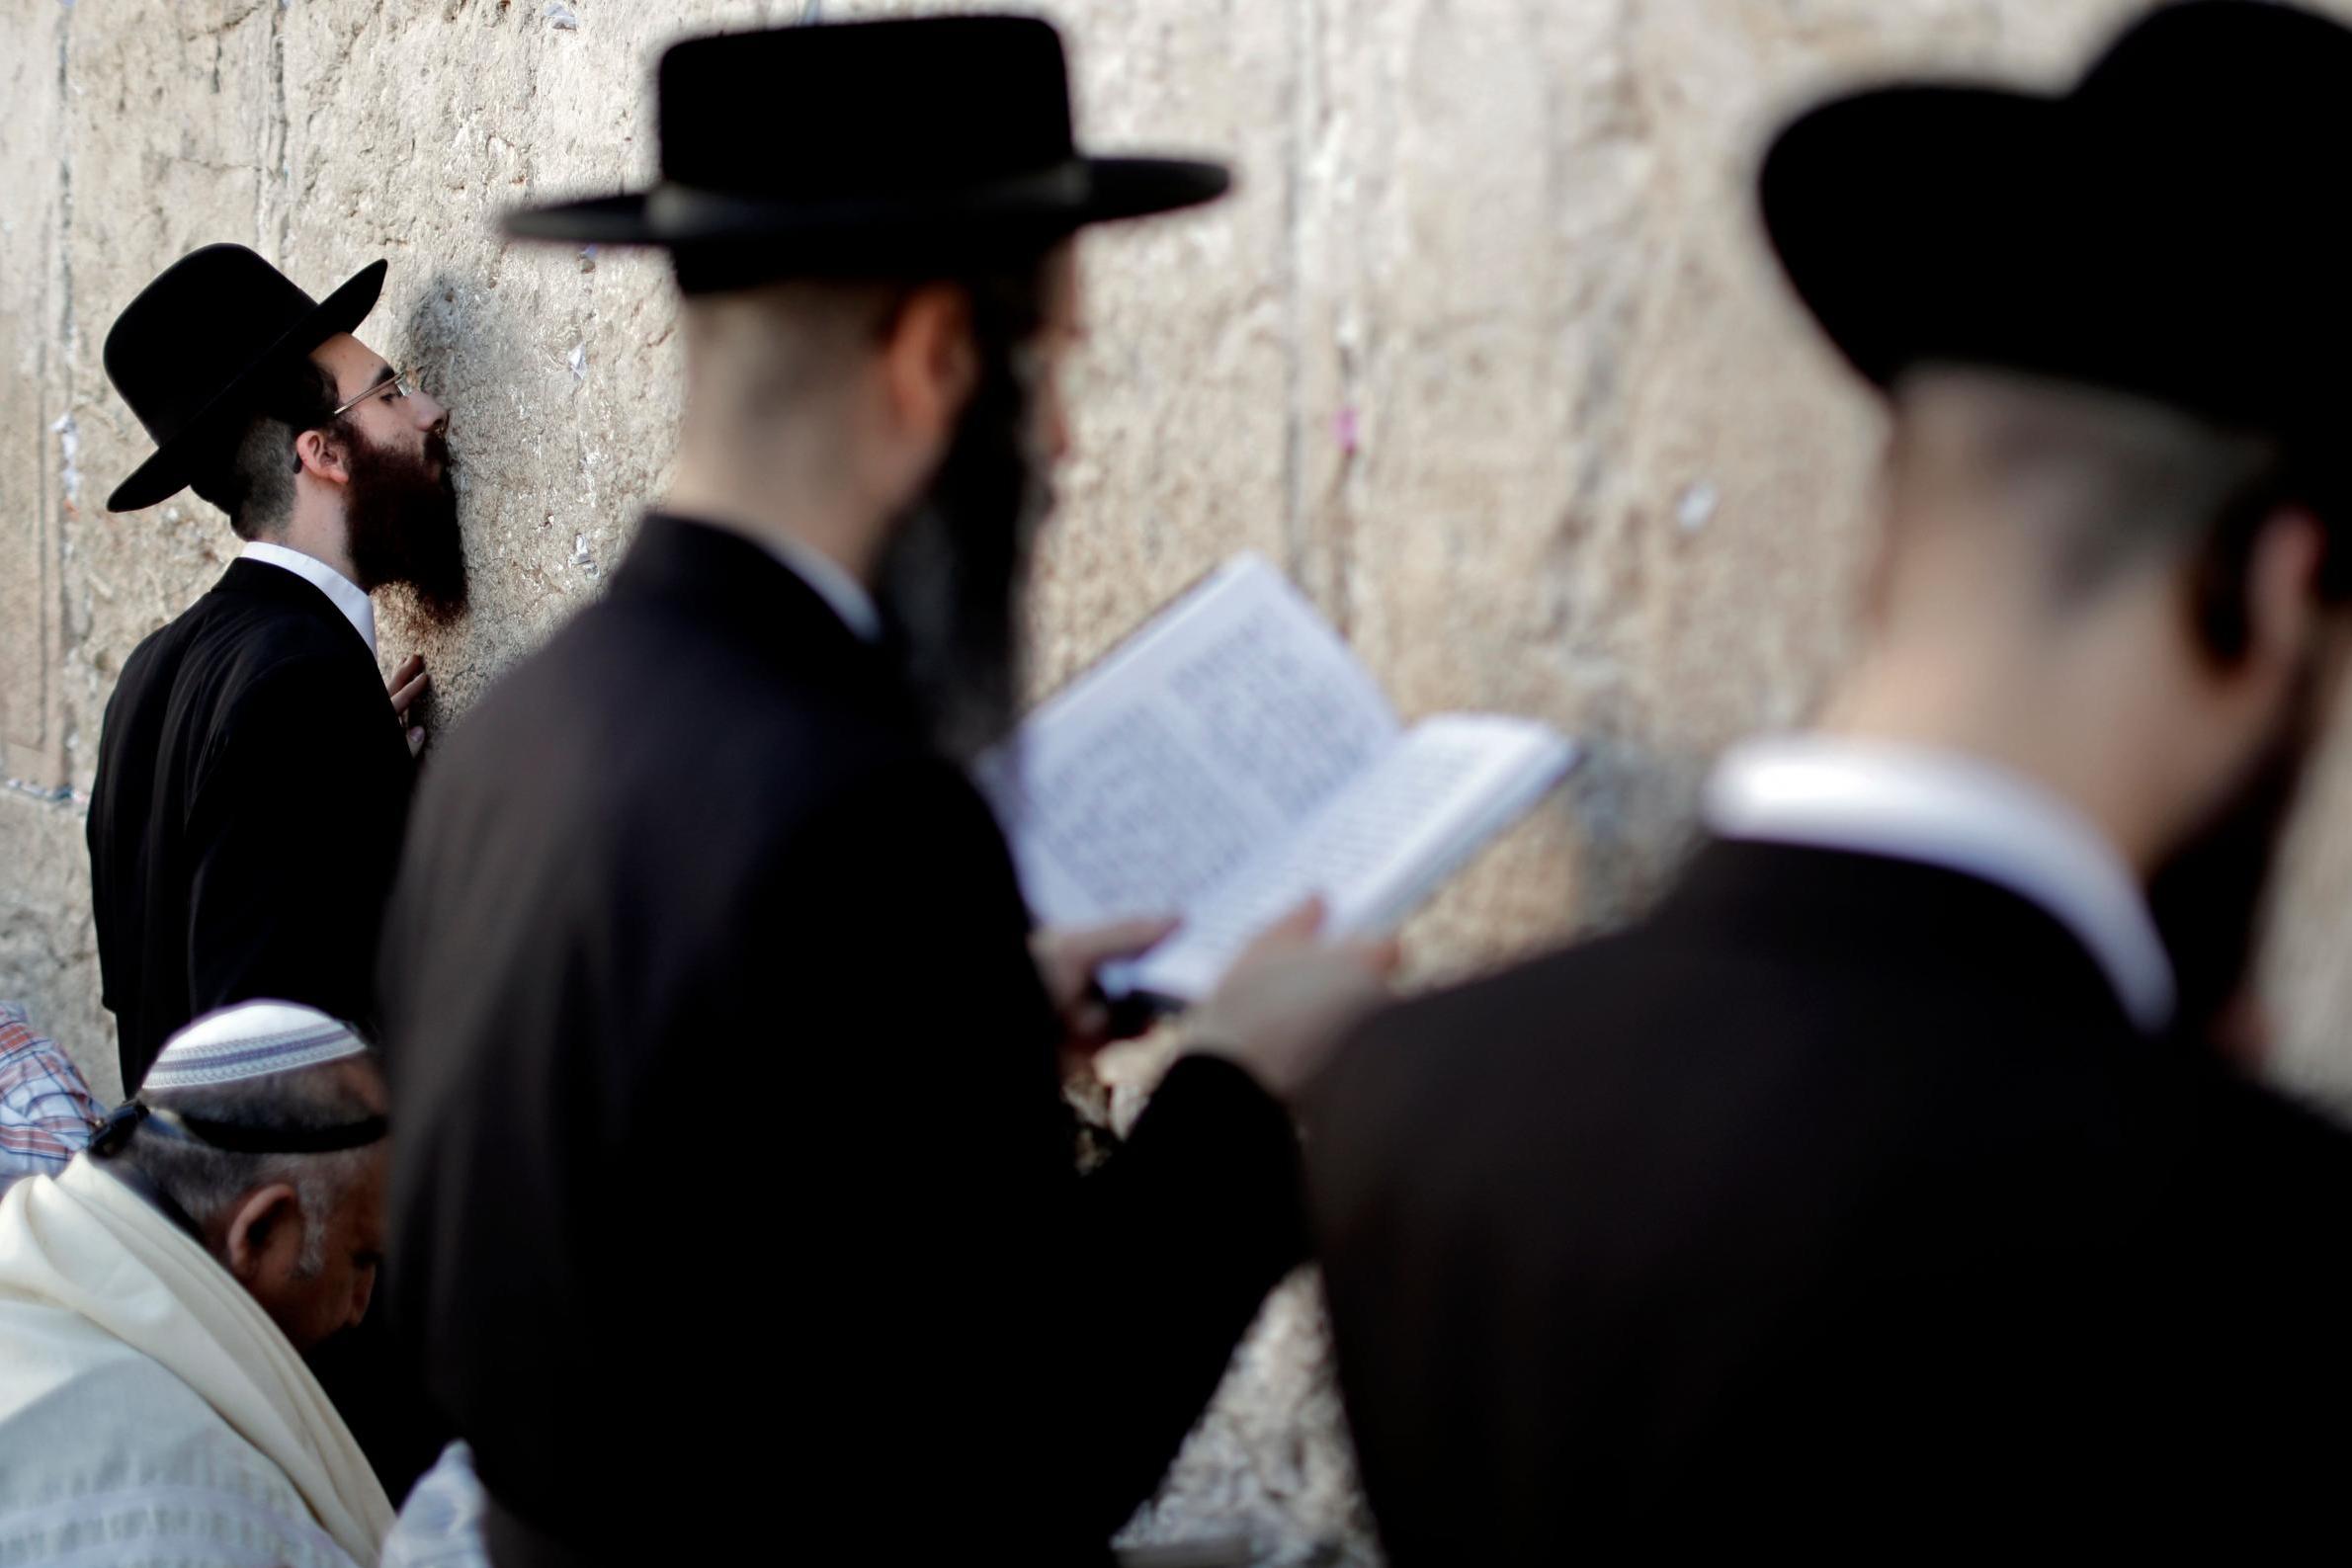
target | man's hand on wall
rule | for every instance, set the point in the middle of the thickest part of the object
(406, 685)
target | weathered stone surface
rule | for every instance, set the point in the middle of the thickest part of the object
(1484, 350)
(34, 194)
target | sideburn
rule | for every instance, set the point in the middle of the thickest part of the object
(2220, 607)
(2209, 896)
(955, 569)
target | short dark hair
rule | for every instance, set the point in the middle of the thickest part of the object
(252, 480)
(2130, 481)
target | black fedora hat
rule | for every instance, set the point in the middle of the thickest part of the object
(2162, 229)
(870, 147)
(197, 347)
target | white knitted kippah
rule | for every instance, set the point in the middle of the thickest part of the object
(251, 1039)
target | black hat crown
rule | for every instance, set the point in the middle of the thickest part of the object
(2162, 229)
(2172, 66)
(864, 111)
(871, 147)
(194, 349)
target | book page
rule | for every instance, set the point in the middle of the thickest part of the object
(1217, 730)
(1377, 849)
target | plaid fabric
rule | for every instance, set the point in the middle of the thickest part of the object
(46, 1109)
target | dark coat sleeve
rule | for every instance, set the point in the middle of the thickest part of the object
(294, 829)
(1070, 1329)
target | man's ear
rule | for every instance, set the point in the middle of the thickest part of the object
(265, 1233)
(2283, 593)
(323, 455)
(930, 363)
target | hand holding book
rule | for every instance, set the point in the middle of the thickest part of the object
(1278, 1011)
(1067, 958)
(1290, 997)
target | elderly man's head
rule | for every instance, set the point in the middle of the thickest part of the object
(251, 1157)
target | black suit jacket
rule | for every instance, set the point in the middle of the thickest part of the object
(734, 1198)
(1836, 1205)
(245, 821)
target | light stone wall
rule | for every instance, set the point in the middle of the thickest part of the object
(1485, 350)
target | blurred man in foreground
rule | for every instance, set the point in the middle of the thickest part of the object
(706, 879)
(1876, 1190)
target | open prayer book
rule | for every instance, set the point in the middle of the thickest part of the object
(1232, 759)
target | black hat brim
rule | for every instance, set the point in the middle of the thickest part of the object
(168, 470)
(894, 232)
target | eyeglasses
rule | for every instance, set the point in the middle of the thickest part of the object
(401, 382)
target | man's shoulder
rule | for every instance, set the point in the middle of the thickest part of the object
(294, 694)
(125, 1403)
(243, 642)
(1494, 1023)
(2270, 1134)
(629, 749)
(635, 691)
(1423, 1070)
(269, 632)
(1694, 1040)
(257, 600)
(144, 1456)
(243, 677)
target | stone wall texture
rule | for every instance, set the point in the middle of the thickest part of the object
(1485, 350)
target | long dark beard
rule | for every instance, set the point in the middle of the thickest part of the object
(2208, 896)
(954, 574)
(402, 520)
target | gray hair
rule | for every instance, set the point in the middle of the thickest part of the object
(210, 1183)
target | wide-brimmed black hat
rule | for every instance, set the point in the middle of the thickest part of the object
(192, 351)
(2165, 227)
(869, 147)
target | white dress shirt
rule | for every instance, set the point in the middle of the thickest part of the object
(339, 589)
(1944, 810)
(833, 584)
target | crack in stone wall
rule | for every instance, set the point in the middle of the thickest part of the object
(1484, 348)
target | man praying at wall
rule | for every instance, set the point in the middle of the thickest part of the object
(703, 890)
(252, 776)
(156, 1297)
(254, 772)
(1880, 1191)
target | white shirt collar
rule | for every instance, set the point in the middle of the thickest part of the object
(833, 584)
(1945, 810)
(340, 590)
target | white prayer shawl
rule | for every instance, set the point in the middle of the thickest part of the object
(150, 1411)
